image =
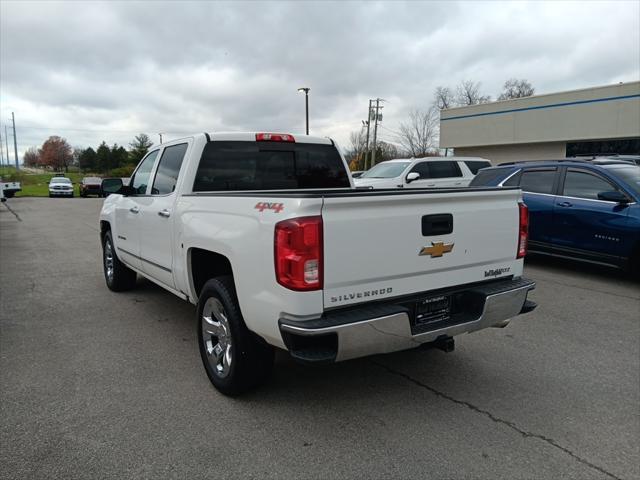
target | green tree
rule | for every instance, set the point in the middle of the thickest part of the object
(103, 158)
(119, 157)
(88, 160)
(139, 148)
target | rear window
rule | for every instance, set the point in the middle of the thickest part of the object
(269, 166)
(475, 165)
(488, 177)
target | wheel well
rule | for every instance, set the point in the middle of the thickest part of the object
(206, 265)
(104, 228)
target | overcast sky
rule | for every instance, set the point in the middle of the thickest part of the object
(91, 71)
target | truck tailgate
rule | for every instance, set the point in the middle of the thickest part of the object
(373, 242)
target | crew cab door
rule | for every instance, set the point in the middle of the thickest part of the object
(156, 221)
(585, 225)
(438, 174)
(128, 209)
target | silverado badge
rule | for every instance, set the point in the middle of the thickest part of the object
(437, 249)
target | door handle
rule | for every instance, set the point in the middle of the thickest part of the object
(164, 213)
(565, 204)
(134, 210)
(431, 184)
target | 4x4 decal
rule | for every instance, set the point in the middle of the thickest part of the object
(276, 207)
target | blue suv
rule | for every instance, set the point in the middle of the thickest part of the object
(584, 210)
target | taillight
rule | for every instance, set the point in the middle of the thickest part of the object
(523, 230)
(274, 137)
(298, 253)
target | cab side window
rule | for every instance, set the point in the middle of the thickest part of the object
(140, 179)
(168, 169)
(538, 181)
(581, 184)
(422, 168)
(446, 169)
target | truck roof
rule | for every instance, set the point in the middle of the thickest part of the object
(251, 137)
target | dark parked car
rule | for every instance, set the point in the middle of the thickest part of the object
(91, 186)
(585, 210)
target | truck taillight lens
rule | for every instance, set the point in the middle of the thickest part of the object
(523, 230)
(298, 253)
(275, 137)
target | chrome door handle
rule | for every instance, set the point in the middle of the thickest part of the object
(565, 204)
(164, 213)
(134, 210)
(431, 184)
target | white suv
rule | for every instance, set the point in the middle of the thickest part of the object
(429, 172)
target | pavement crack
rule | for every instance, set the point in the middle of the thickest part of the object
(12, 211)
(493, 418)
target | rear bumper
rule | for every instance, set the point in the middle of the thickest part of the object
(384, 328)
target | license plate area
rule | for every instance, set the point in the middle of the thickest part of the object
(433, 310)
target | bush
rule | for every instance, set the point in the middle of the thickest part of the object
(123, 171)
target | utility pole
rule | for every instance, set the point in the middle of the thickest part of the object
(2, 152)
(160, 138)
(366, 149)
(15, 140)
(375, 131)
(6, 143)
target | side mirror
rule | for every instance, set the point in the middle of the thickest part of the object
(113, 185)
(412, 177)
(613, 196)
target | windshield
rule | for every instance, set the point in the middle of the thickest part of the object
(628, 174)
(60, 180)
(386, 170)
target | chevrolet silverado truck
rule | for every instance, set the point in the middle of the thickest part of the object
(268, 236)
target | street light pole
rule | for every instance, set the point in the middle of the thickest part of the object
(306, 104)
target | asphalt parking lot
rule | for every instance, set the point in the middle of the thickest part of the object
(95, 384)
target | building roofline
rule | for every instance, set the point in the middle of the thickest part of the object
(536, 97)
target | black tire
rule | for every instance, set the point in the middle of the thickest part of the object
(251, 357)
(121, 278)
(50, 196)
(9, 194)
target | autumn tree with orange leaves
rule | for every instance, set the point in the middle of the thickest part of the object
(56, 153)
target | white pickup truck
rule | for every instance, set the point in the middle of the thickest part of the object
(267, 234)
(9, 189)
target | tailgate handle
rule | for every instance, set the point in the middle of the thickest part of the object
(437, 224)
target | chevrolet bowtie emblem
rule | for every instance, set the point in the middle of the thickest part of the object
(437, 249)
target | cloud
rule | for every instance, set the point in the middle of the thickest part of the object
(106, 71)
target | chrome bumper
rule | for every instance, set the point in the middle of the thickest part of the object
(392, 332)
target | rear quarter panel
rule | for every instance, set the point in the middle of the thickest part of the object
(232, 226)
